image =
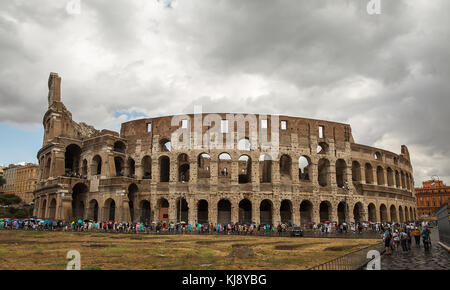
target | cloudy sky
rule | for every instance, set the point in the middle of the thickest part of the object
(388, 74)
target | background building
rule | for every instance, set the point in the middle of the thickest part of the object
(430, 197)
(25, 182)
(20, 180)
(9, 174)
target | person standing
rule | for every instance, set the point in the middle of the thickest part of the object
(426, 238)
(387, 241)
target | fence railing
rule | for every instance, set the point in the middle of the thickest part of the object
(351, 261)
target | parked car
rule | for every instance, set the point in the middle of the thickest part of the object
(297, 232)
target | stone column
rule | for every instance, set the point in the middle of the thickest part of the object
(316, 212)
(255, 211)
(212, 211)
(276, 217)
(172, 210)
(234, 212)
(192, 214)
(295, 213)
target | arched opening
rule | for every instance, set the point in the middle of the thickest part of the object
(371, 209)
(147, 167)
(119, 146)
(163, 208)
(356, 171)
(400, 215)
(109, 210)
(93, 210)
(131, 168)
(341, 172)
(202, 211)
(245, 211)
(84, 168)
(72, 159)
(183, 167)
(397, 179)
(286, 212)
(358, 212)
(383, 213)
(244, 144)
(165, 145)
(52, 209)
(47, 168)
(132, 195)
(204, 166)
(224, 165)
(390, 177)
(164, 169)
(322, 148)
(303, 167)
(182, 210)
(265, 210)
(119, 164)
(325, 211)
(96, 167)
(393, 214)
(342, 212)
(406, 214)
(380, 175)
(265, 168)
(79, 194)
(403, 179)
(377, 156)
(411, 214)
(245, 169)
(224, 211)
(369, 173)
(323, 169)
(145, 211)
(285, 167)
(43, 208)
(306, 210)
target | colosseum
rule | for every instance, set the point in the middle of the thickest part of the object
(319, 174)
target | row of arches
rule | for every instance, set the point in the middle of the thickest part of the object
(123, 167)
(399, 179)
(141, 210)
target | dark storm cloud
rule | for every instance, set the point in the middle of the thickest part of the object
(387, 75)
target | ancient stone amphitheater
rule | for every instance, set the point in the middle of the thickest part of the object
(318, 174)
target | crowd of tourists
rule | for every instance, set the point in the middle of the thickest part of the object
(394, 231)
(402, 236)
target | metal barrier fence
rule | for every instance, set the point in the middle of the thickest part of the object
(443, 216)
(351, 261)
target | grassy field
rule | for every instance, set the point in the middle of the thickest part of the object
(47, 250)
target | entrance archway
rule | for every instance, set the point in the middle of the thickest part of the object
(286, 212)
(202, 211)
(265, 210)
(245, 211)
(224, 211)
(306, 209)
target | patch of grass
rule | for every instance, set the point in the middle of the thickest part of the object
(58, 265)
(2, 254)
(113, 251)
(92, 267)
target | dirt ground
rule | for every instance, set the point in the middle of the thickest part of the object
(47, 250)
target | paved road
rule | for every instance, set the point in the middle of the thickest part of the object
(418, 259)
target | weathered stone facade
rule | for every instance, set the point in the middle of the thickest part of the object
(135, 176)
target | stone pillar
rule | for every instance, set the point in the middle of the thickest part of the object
(294, 170)
(295, 213)
(139, 170)
(212, 211)
(155, 170)
(377, 214)
(316, 212)
(362, 173)
(234, 212)
(255, 211)
(234, 172)
(124, 212)
(255, 173)
(172, 210)
(276, 217)
(192, 214)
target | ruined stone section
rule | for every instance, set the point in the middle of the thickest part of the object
(137, 175)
